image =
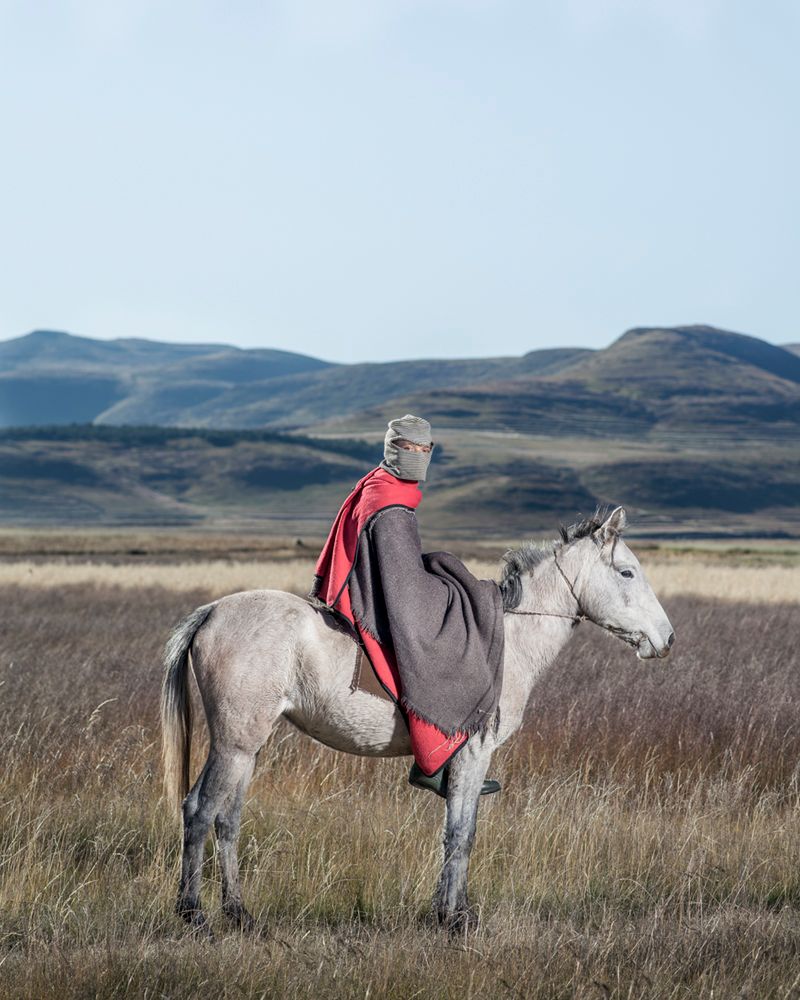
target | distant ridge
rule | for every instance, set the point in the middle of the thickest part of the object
(46, 347)
(650, 380)
(51, 377)
(741, 346)
(688, 426)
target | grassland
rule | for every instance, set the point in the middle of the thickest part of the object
(646, 843)
(219, 563)
(757, 584)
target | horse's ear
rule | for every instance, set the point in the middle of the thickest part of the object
(614, 524)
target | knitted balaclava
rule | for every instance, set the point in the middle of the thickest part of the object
(404, 464)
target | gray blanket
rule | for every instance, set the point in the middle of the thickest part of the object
(444, 626)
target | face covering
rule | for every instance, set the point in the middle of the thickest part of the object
(412, 465)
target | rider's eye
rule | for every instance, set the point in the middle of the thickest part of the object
(627, 573)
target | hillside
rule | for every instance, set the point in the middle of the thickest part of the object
(48, 377)
(480, 485)
(694, 429)
(653, 381)
(650, 381)
(149, 475)
(51, 350)
(686, 359)
(301, 401)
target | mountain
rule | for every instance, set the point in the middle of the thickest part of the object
(654, 361)
(649, 381)
(693, 428)
(47, 377)
(43, 349)
(794, 348)
(311, 399)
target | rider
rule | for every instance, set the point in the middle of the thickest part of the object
(432, 632)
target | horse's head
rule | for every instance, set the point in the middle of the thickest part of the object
(611, 588)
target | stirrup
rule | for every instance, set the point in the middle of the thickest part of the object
(437, 783)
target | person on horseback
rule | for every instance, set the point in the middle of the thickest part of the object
(432, 632)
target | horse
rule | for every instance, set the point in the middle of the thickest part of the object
(262, 655)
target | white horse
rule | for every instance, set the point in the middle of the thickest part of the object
(262, 655)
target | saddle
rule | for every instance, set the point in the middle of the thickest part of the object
(364, 678)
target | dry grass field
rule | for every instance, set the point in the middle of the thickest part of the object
(646, 843)
(700, 577)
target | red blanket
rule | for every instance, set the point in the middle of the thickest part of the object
(376, 491)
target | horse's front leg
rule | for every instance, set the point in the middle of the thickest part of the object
(464, 781)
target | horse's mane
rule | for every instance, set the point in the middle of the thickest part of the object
(519, 562)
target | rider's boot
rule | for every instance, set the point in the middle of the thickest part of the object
(437, 783)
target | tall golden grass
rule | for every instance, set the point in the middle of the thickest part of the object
(761, 584)
(646, 843)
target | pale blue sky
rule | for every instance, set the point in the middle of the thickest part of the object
(375, 179)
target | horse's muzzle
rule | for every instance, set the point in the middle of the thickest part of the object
(647, 650)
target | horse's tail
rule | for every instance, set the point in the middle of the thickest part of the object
(176, 705)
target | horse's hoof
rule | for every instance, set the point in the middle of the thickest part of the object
(196, 920)
(202, 930)
(461, 923)
(241, 918)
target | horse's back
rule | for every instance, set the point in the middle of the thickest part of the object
(262, 654)
(245, 660)
(268, 619)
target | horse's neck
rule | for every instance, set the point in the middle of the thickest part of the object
(534, 641)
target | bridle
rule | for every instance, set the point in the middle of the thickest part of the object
(576, 619)
(581, 615)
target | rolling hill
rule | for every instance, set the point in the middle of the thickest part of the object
(695, 429)
(681, 380)
(482, 485)
(650, 380)
(47, 377)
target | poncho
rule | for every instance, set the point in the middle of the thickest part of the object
(432, 632)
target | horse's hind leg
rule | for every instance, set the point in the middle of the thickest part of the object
(218, 783)
(227, 828)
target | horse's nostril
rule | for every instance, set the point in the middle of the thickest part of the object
(671, 640)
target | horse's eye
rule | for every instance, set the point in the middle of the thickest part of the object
(627, 573)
